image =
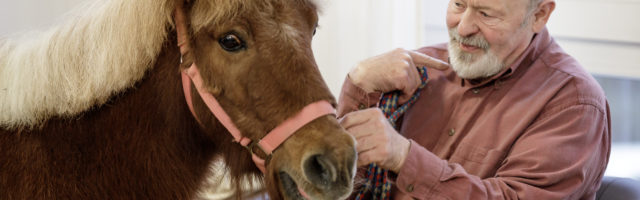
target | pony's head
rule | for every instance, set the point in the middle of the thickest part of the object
(255, 58)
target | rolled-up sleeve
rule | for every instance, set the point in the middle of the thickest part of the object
(562, 155)
(353, 98)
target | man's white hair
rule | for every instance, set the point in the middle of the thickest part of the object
(533, 4)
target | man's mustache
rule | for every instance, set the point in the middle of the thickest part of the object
(474, 40)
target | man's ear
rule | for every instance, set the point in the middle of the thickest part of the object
(542, 14)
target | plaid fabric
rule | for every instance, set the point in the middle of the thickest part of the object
(377, 184)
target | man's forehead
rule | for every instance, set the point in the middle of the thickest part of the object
(506, 5)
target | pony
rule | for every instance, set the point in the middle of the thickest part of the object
(95, 108)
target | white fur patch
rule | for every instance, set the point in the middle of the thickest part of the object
(290, 32)
(78, 65)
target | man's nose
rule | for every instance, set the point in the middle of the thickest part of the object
(467, 25)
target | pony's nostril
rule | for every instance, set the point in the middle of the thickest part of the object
(319, 170)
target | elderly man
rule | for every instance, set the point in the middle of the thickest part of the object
(506, 114)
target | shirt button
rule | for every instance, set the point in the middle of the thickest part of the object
(361, 107)
(452, 132)
(410, 188)
(475, 91)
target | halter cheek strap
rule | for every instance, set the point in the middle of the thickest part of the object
(274, 138)
(193, 74)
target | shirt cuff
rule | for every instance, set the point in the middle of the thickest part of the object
(420, 172)
(354, 98)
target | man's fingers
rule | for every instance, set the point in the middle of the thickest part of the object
(360, 131)
(353, 119)
(421, 59)
(413, 84)
(366, 158)
(404, 98)
(358, 124)
(365, 143)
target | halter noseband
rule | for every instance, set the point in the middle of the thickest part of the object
(268, 143)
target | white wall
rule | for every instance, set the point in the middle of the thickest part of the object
(24, 15)
(352, 30)
(604, 35)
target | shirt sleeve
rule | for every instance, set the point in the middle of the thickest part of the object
(561, 155)
(354, 98)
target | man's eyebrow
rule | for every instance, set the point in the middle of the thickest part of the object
(484, 7)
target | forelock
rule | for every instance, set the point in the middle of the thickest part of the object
(205, 13)
(212, 12)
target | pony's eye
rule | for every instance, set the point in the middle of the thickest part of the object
(231, 42)
(315, 29)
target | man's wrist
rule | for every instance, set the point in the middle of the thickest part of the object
(403, 155)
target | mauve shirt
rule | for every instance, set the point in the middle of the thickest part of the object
(540, 129)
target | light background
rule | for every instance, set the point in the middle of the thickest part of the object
(604, 35)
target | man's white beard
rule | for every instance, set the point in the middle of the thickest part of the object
(467, 65)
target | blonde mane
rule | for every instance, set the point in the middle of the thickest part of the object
(103, 50)
(80, 64)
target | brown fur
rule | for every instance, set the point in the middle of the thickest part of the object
(145, 144)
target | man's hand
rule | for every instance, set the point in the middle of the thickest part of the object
(376, 140)
(394, 70)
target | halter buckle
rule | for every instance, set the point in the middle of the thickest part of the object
(255, 149)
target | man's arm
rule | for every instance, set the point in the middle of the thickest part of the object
(377, 141)
(353, 98)
(394, 70)
(555, 158)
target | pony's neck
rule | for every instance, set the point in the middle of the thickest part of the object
(143, 139)
(81, 64)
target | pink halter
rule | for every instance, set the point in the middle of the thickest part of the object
(274, 138)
